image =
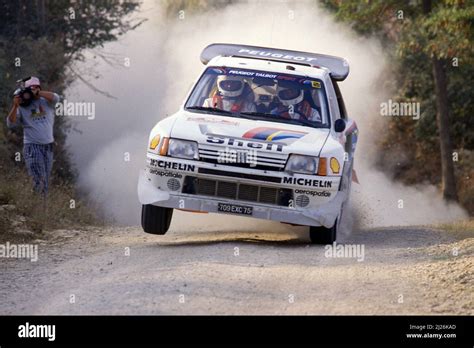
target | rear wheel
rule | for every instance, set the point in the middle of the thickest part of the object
(323, 235)
(156, 220)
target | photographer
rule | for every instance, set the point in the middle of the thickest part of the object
(34, 110)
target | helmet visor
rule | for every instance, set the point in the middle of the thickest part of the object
(230, 85)
(289, 93)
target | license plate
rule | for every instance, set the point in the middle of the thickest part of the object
(234, 209)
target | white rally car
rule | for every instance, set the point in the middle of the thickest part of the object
(263, 133)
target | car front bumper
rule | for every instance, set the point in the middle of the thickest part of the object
(153, 189)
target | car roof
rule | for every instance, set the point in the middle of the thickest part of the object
(268, 65)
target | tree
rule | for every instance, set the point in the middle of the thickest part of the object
(439, 32)
(47, 37)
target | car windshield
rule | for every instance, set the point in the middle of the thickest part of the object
(261, 95)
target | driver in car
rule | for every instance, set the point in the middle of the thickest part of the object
(292, 104)
(232, 95)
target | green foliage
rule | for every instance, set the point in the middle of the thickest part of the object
(74, 25)
(172, 7)
(413, 32)
(47, 37)
(445, 33)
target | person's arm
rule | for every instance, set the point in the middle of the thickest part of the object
(50, 97)
(11, 118)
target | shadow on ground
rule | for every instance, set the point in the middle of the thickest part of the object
(392, 238)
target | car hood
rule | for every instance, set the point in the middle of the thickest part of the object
(205, 128)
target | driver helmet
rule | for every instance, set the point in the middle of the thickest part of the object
(290, 93)
(230, 86)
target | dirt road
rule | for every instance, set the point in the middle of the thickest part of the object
(236, 266)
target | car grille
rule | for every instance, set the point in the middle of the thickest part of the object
(236, 191)
(244, 158)
(240, 175)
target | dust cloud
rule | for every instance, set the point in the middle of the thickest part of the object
(164, 62)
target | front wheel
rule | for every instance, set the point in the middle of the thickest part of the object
(156, 220)
(323, 235)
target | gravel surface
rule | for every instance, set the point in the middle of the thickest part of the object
(208, 264)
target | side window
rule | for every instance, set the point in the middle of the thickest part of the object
(318, 102)
(340, 101)
(342, 109)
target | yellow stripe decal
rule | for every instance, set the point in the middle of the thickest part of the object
(271, 136)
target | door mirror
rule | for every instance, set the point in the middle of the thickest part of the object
(340, 125)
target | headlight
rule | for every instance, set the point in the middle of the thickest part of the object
(302, 164)
(183, 149)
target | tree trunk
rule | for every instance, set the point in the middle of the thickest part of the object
(442, 118)
(448, 179)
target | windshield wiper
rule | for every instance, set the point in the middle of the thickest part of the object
(209, 109)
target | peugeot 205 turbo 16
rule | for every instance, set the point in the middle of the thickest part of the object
(263, 133)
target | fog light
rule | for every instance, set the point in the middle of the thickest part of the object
(302, 201)
(173, 184)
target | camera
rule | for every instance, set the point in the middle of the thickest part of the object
(25, 93)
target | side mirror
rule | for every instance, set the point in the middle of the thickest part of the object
(339, 125)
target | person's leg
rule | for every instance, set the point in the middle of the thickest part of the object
(34, 164)
(48, 160)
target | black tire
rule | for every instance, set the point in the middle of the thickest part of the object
(323, 235)
(156, 220)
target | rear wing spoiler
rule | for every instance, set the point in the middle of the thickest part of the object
(338, 67)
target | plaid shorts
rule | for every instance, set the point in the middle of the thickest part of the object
(39, 163)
